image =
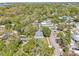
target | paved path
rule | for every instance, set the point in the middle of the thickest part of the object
(54, 44)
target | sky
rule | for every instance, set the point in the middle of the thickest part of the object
(38, 1)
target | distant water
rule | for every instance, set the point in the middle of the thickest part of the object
(4, 4)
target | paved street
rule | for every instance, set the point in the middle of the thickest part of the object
(54, 44)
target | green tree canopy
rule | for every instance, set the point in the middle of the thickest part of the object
(46, 31)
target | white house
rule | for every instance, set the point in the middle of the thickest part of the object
(39, 35)
(23, 38)
(47, 23)
(66, 18)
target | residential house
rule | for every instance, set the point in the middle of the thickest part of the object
(48, 23)
(39, 35)
(75, 36)
(75, 39)
(23, 38)
(66, 18)
(4, 36)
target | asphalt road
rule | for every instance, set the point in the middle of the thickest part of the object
(54, 43)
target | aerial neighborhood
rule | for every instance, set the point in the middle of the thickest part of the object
(39, 29)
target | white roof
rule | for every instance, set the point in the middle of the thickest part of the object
(54, 13)
(47, 23)
(23, 37)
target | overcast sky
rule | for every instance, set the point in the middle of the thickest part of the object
(39, 1)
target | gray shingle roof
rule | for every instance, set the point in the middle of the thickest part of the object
(75, 37)
(5, 36)
(38, 35)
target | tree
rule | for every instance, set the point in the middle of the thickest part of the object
(27, 48)
(48, 51)
(10, 48)
(61, 35)
(68, 37)
(65, 37)
(66, 51)
(2, 45)
(13, 45)
(30, 30)
(18, 26)
(8, 26)
(46, 31)
(61, 26)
